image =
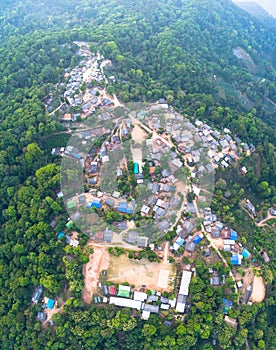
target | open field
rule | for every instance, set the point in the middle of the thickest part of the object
(141, 272)
(258, 292)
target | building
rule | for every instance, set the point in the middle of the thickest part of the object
(124, 291)
(214, 281)
(140, 296)
(142, 241)
(107, 235)
(124, 302)
(190, 247)
(236, 259)
(96, 203)
(247, 295)
(37, 294)
(151, 308)
(41, 316)
(145, 315)
(231, 321)
(245, 253)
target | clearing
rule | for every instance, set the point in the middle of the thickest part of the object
(258, 292)
(98, 261)
(141, 272)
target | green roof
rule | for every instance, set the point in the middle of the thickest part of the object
(69, 224)
(123, 293)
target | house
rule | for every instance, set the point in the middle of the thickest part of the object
(112, 290)
(197, 239)
(141, 296)
(41, 316)
(215, 232)
(50, 304)
(152, 308)
(219, 225)
(214, 281)
(99, 236)
(145, 209)
(236, 259)
(53, 224)
(164, 300)
(109, 201)
(124, 291)
(82, 199)
(250, 207)
(177, 162)
(272, 211)
(233, 235)
(245, 253)
(142, 241)
(188, 227)
(247, 295)
(152, 298)
(163, 225)
(164, 306)
(107, 235)
(180, 241)
(96, 203)
(231, 321)
(190, 247)
(145, 315)
(132, 237)
(191, 208)
(37, 294)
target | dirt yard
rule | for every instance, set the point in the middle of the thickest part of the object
(258, 292)
(138, 135)
(141, 272)
(99, 261)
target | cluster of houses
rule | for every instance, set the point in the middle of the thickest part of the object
(204, 147)
(147, 303)
(47, 303)
(86, 72)
(228, 237)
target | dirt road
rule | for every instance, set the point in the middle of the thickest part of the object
(98, 261)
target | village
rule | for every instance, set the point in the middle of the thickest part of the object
(146, 172)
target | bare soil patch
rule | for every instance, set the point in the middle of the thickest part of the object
(98, 261)
(258, 292)
(141, 272)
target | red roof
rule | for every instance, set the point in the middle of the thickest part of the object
(112, 290)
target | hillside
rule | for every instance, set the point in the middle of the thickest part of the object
(211, 61)
(258, 12)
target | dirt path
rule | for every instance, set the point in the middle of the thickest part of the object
(269, 217)
(165, 260)
(210, 240)
(57, 109)
(98, 261)
(258, 292)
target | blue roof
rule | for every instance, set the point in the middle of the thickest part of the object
(197, 239)
(235, 259)
(233, 235)
(246, 253)
(180, 241)
(50, 304)
(123, 205)
(60, 235)
(227, 302)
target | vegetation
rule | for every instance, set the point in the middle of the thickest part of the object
(182, 51)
